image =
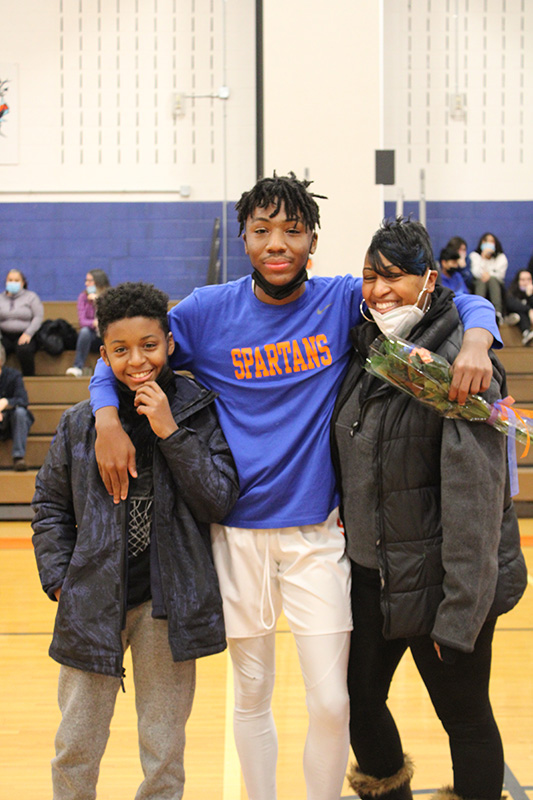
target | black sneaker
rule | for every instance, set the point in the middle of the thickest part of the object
(19, 465)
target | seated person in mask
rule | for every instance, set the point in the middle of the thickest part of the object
(15, 419)
(450, 275)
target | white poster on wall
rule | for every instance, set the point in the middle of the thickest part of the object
(9, 114)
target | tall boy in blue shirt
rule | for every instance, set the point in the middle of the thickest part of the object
(275, 347)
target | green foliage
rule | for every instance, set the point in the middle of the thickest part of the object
(427, 377)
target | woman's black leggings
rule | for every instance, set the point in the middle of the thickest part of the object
(459, 693)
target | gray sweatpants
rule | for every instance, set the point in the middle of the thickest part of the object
(164, 692)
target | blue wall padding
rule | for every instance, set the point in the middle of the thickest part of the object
(511, 222)
(167, 244)
(55, 244)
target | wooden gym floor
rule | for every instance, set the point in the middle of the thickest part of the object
(29, 713)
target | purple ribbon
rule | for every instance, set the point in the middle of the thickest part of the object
(511, 442)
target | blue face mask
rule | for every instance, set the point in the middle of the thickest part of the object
(90, 289)
(13, 287)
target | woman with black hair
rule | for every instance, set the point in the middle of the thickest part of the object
(433, 562)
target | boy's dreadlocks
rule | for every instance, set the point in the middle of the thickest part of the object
(287, 189)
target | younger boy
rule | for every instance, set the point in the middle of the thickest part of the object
(15, 419)
(140, 574)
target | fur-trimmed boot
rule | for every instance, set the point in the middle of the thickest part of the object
(395, 787)
(446, 793)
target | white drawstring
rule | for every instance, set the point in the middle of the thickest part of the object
(266, 588)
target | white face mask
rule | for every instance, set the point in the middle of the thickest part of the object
(400, 321)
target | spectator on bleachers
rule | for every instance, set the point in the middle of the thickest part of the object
(96, 282)
(458, 244)
(15, 419)
(21, 315)
(489, 264)
(450, 271)
(520, 300)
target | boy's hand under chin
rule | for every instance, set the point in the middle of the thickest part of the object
(151, 401)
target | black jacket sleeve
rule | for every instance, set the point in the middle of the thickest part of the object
(54, 524)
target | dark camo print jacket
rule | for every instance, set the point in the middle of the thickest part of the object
(80, 535)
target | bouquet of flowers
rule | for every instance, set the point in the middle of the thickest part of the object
(427, 377)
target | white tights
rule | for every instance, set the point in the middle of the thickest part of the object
(323, 661)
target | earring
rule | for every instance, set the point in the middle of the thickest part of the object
(369, 319)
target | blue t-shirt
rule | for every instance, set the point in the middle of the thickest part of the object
(455, 282)
(277, 369)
